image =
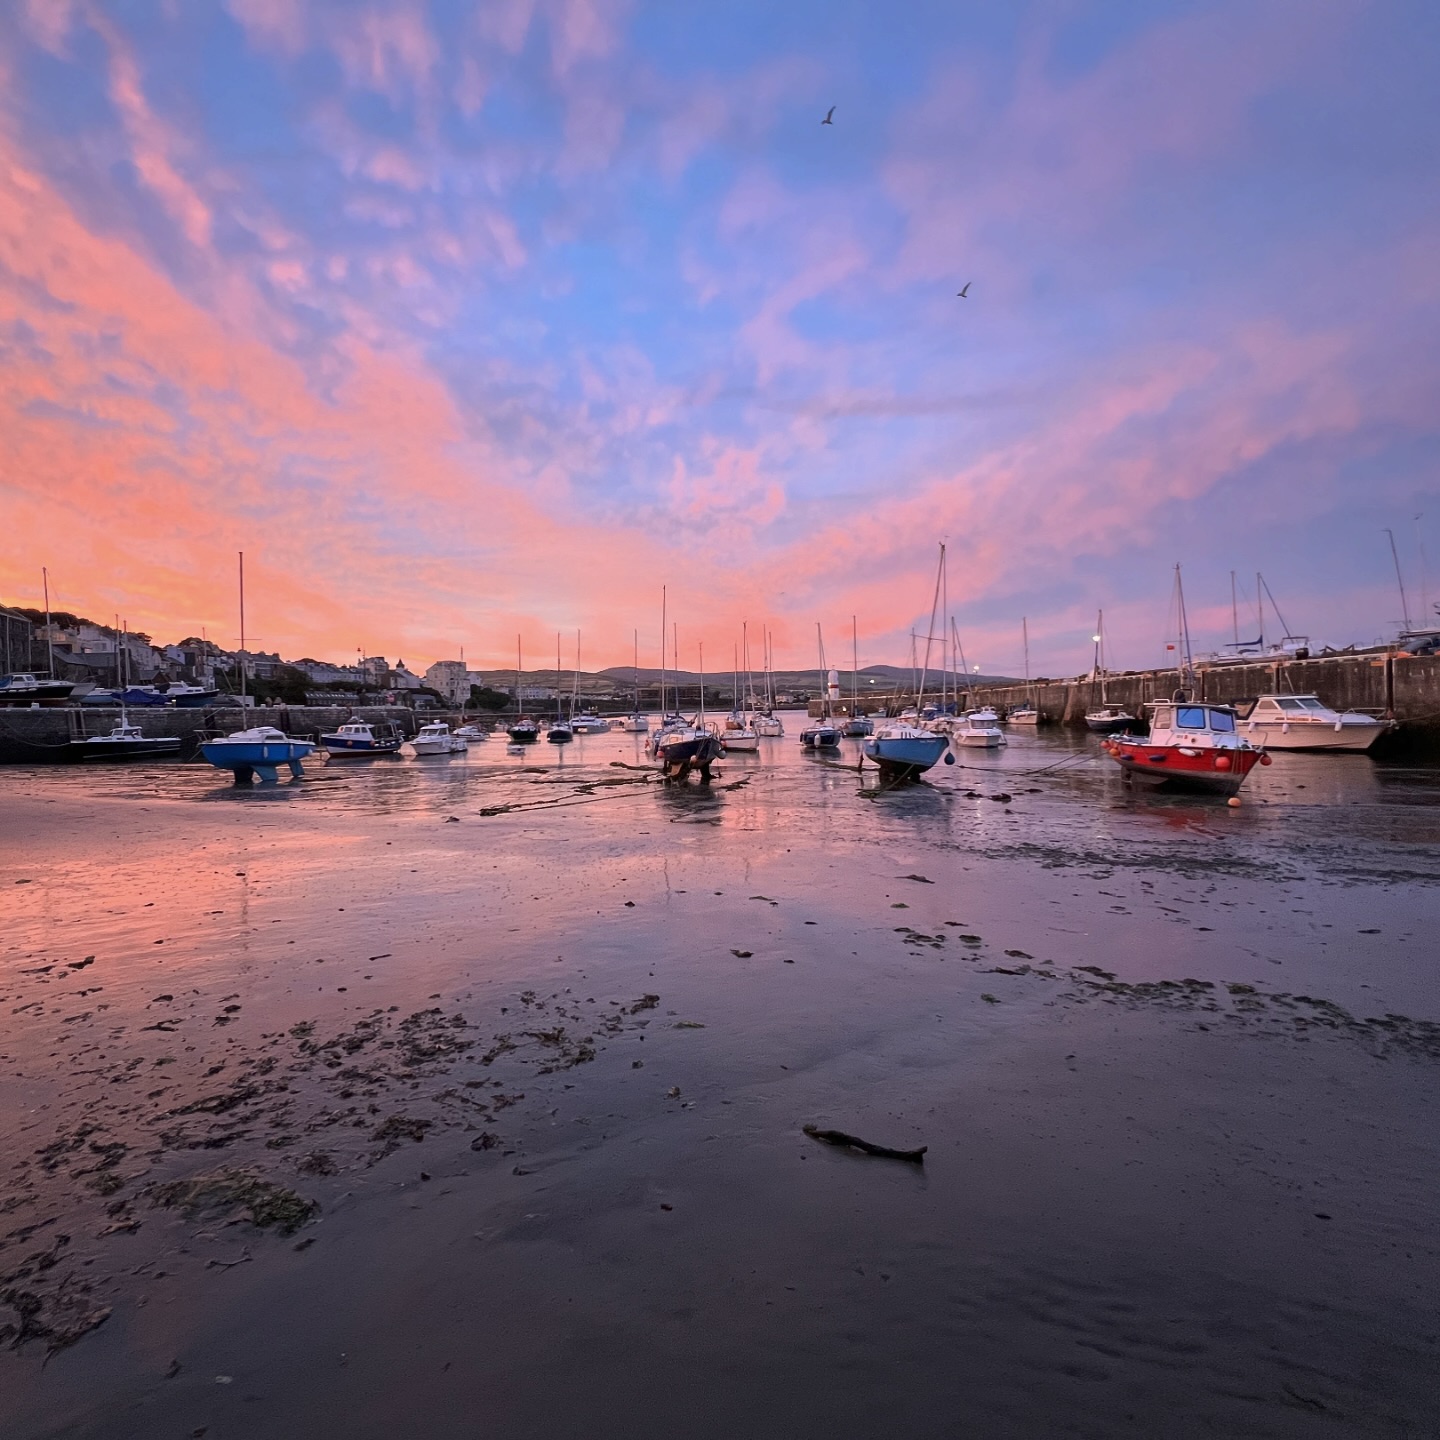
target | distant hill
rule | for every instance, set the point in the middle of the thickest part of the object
(887, 676)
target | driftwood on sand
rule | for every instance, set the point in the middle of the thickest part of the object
(853, 1142)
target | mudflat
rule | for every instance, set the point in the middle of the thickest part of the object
(468, 1097)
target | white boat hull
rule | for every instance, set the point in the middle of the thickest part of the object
(977, 739)
(737, 743)
(1351, 736)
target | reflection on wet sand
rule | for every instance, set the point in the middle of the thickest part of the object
(503, 1062)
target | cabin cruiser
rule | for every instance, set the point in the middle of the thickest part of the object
(23, 688)
(973, 730)
(589, 724)
(1022, 715)
(1108, 719)
(257, 751)
(437, 738)
(982, 715)
(524, 731)
(362, 737)
(124, 742)
(470, 733)
(904, 752)
(1190, 747)
(1302, 722)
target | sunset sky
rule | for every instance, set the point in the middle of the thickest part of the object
(467, 319)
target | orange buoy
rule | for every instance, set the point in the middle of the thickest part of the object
(1222, 762)
(1233, 802)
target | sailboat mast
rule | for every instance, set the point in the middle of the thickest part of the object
(854, 667)
(558, 716)
(1025, 641)
(637, 671)
(701, 712)
(243, 666)
(518, 710)
(1100, 653)
(49, 634)
(947, 655)
(1187, 675)
(663, 598)
(1399, 579)
(1234, 612)
(575, 698)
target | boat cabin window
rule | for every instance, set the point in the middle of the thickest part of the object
(1190, 717)
(1222, 720)
(1286, 703)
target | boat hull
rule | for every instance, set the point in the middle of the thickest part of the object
(977, 739)
(105, 748)
(905, 757)
(1318, 738)
(825, 737)
(689, 750)
(523, 734)
(435, 747)
(1200, 770)
(560, 735)
(1113, 726)
(248, 758)
(343, 745)
(741, 744)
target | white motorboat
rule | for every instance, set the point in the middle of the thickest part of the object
(1303, 722)
(438, 739)
(589, 724)
(973, 731)
(982, 715)
(1022, 715)
(472, 732)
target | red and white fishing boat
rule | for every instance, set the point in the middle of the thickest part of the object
(1191, 746)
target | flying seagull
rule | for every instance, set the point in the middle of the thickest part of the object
(828, 120)
(963, 294)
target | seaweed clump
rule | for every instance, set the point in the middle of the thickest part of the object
(265, 1204)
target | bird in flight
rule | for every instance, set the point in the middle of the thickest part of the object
(828, 120)
(964, 294)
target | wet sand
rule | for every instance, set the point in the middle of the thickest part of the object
(520, 1096)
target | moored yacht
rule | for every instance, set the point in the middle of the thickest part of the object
(973, 730)
(904, 752)
(1108, 719)
(23, 688)
(437, 738)
(1302, 722)
(363, 737)
(124, 742)
(257, 751)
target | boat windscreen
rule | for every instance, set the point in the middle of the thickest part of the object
(1190, 717)
(1222, 720)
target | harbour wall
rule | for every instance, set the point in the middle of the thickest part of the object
(1404, 687)
(43, 736)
